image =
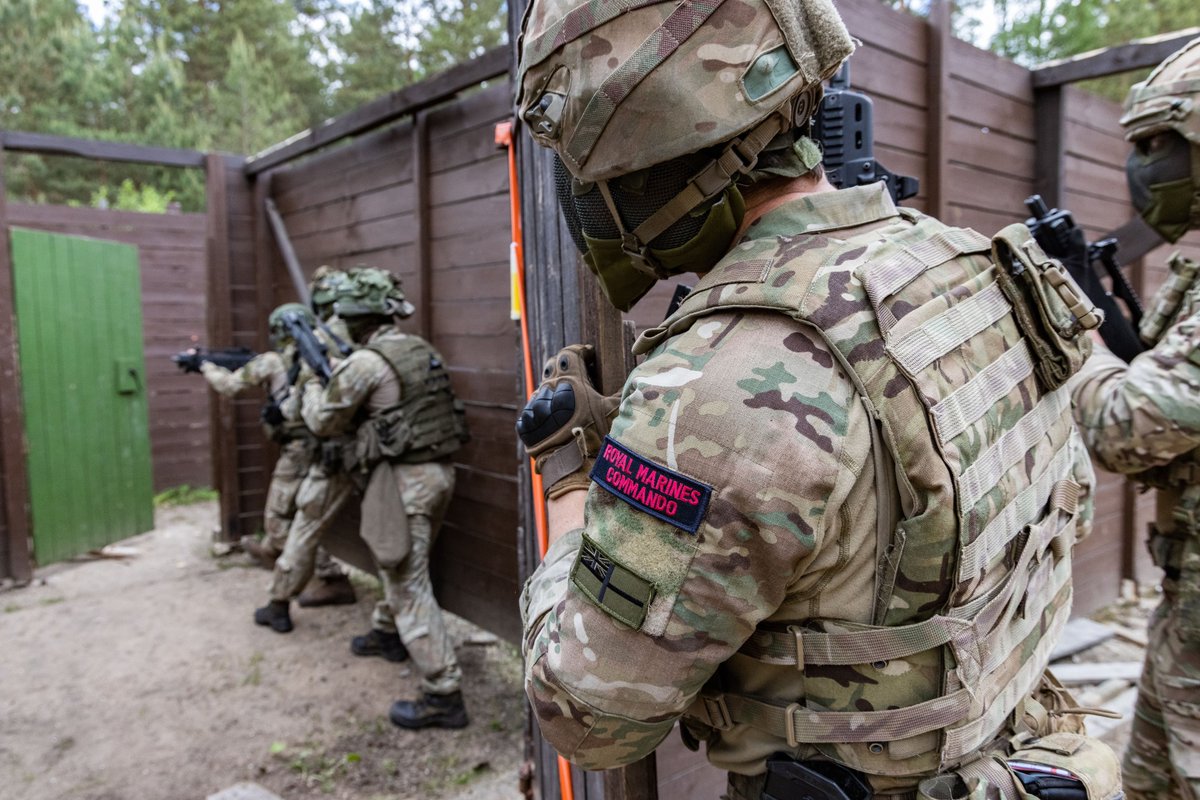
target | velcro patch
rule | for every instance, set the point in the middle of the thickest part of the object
(620, 592)
(650, 487)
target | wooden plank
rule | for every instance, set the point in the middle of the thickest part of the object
(220, 330)
(976, 105)
(420, 182)
(1050, 164)
(17, 557)
(990, 71)
(937, 152)
(1137, 54)
(398, 104)
(1097, 672)
(46, 144)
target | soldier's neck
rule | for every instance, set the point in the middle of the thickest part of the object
(765, 197)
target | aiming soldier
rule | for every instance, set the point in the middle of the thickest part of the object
(391, 405)
(830, 528)
(1143, 419)
(275, 371)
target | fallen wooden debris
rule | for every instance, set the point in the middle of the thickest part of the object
(115, 551)
(1130, 635)
(1096, 672)
(1079, 635)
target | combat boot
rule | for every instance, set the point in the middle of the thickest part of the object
(276, 615)
(380, 643)
(431, 711)
(328, 592)
(262, 552)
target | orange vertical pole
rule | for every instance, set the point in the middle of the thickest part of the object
(504, 138)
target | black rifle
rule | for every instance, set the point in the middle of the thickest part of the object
(1057, 233)
(308, 346)
(844, 126)
(231, 358)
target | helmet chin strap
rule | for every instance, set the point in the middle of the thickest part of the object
(738, 158)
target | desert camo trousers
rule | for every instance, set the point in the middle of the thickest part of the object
(319, 498)
(295, 458)
(1163, 759)
(408, 606)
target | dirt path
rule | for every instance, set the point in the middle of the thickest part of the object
(145, 678)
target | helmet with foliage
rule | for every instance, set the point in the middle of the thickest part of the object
(1162, 119)
(323, 289)
(275, 325)
(368, 291)
(657, 109)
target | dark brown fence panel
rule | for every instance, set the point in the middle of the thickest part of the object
(362, 203)
(237, 316)
(171, 255)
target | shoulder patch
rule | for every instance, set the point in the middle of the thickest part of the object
(618, 590)
(650, 487)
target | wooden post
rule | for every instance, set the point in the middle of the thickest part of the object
(1050, 162)
(12, 416)
(420, 166)
(220, 334)
(264, 256)
(938, 80)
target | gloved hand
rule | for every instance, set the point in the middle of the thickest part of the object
(565, 421)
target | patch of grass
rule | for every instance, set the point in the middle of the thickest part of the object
(52, 601)
(497, 726)
(184, 495)
(254, 675)
(12, 608)
(322, 769)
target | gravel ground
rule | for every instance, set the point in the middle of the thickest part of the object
(144, 677)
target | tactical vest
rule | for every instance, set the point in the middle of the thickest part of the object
(429, 422)
(959, 347)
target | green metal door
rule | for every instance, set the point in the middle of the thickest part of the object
(79, 327)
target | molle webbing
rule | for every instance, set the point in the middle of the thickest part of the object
(427, 403)
(984, 548)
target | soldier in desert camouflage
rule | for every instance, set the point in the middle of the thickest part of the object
(829, 530)
(275, 371)
(1143, 419)
(392, 404)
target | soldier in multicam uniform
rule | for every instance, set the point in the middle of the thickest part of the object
(830, 528)
(391, 401)
(1143, 419)
(275, 372)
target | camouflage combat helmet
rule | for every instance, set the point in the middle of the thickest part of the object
(279, 331)
(323, 289)
(620, 89)
(1164, 183)
(368, 291)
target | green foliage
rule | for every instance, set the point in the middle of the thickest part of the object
(184, 495)
(212, 76)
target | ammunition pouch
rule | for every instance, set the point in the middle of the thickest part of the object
(338, 455)
(1168, 305)
(384, 437)
(788, 779)
(1051, 310)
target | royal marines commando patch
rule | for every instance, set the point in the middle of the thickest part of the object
(650, 487)
(622, 593)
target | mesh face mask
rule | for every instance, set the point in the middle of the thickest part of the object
(693, 243)
(1163, 186)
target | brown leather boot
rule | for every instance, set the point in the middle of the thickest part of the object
(329, 592)
(262, 552)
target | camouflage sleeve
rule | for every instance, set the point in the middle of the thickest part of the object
(730, 438)
(257, 372)
(350, 385)
(1144, 414)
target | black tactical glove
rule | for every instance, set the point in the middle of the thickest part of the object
(564, 422)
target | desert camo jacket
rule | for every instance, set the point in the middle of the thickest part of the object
(1146, 414)
(751, 411)
(363, 380)
(266, 370)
